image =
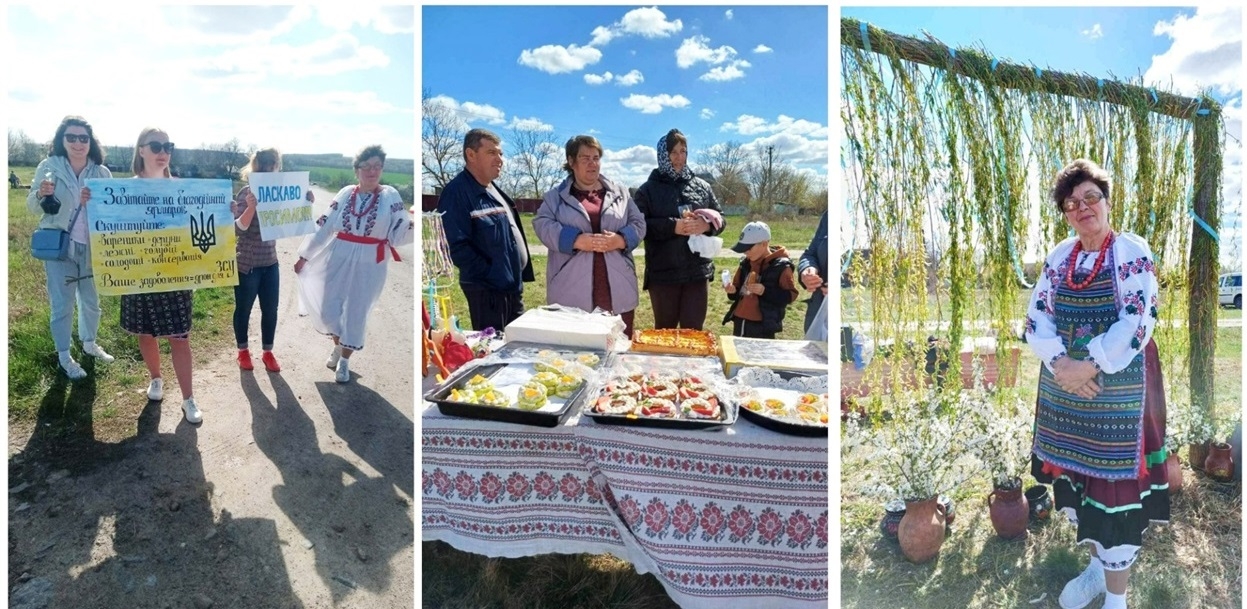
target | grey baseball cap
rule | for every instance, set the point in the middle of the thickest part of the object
(753, 234)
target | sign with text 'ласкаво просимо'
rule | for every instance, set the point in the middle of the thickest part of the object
(160, 235)
(282, 208)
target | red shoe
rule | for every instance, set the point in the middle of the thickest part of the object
(270, 362)
(244, 360)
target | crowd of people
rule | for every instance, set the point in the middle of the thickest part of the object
(341, 267)
(591, 225)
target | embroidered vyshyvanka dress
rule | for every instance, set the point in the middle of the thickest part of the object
(1105, 457)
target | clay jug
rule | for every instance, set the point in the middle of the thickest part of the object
(1039, 500)
(1196, 455)
(1219, 465)
(921, 531)
(1173, 468)
(893, 512)
(1009, 511)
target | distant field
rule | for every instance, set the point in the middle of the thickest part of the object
(343, 175)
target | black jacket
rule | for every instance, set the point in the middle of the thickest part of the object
(667, 257)
(482, 244)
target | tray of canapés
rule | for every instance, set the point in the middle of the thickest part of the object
(785, 410)
(541, 393)
(660, 399)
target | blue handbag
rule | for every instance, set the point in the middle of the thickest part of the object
(52, 244)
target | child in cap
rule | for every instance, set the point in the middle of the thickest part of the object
(763, 286)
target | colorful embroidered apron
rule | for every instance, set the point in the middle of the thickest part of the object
(1100, 437)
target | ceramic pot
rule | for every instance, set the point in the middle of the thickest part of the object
(1220, 464)
(1039, 503)
(893, 511)
(1196, 455)
(921, 531)
(1009, 511)
(1173, 468)
(950, 512)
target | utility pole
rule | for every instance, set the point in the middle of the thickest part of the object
(770, 176)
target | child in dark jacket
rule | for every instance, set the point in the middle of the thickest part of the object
(763, 286)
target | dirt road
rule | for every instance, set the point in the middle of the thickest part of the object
(294, 492)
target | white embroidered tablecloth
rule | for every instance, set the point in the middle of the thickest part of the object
(731, 518)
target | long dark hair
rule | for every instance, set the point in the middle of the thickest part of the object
(95, 153)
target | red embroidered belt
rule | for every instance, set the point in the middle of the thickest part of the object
(380, 243)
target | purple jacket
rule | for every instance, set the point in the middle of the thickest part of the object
(569, 272)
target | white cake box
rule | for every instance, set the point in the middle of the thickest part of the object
(566, 327)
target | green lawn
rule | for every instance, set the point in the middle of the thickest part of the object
(793, 233)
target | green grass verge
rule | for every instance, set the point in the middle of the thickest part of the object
(792, 233)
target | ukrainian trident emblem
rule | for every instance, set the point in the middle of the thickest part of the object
(203, 232)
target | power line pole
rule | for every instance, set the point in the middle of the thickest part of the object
(770, 176)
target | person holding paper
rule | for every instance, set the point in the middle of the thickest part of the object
(677, 205)
(342, 266)
(161, 314)
(258, 273)
(61, 199)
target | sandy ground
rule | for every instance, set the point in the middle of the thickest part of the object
(294, 492)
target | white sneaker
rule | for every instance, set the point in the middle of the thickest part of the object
(344, 371)
(94, 350)
(1081, 590)
(334, 357)
(72, 369)
(192, 412)
(156, 390)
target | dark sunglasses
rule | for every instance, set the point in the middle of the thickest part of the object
(74, 137)
(156, 147)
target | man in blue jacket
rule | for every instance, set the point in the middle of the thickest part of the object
(812, 269)
(483, 231)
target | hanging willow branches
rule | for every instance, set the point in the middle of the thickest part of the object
(950, 156)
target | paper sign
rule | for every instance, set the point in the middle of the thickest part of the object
(160, 235)
(282, 208)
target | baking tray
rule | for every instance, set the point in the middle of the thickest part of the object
(538, 418)
(727, 416)
(784, 427)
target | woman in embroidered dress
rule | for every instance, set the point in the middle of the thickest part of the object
(258, 275)
(1090, 321)
(342, 266)
(591, 226)
(75, 157)
(161, 314)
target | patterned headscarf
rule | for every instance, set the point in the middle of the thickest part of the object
(664, 161)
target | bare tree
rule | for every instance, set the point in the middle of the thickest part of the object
(233, 156)
(536, 158)
(727, 163)
(441, 141)
(22, 149)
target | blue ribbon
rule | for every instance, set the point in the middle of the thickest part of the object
(994, 63)
(866, 35)
(1038, 73)
(1204, 225)
(1155, 100)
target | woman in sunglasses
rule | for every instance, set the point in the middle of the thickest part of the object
(61, 198)
(342, 266)
(1100, 414)
(161, 314)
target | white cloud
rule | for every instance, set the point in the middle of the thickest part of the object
(653, 104)
(646, 22)
(762, 48)
(338, 54)
(728, 14)
(631, 78)
(707, 113)
(1205, 51)
(472, 112)
(399, 19)
(752, 125)
(726, 73)
(556, 59)
(630, 166)
(602, 35)
(1095, 32)
(696, 50)
(529, 124)
(596, 79)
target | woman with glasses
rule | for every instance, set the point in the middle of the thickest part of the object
(1100, 414)
(258, 274)
(61, 198)
(342, 266)
(161, 314)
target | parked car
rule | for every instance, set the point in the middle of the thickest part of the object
(1230, 290)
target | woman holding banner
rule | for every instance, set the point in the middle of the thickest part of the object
(161, 314)
(258, 275)
(75, 157)
(342, 266)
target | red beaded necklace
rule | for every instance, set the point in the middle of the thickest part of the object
(1095, 270)
(376, 196)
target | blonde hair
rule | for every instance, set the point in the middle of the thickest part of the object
(258, 158)
(137, 164)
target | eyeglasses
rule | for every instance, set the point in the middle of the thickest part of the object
(1091, 199)
(371, 166)
(80, 138)
(156, 147)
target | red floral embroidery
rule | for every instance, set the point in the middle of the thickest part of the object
(518, 487)
(491, 487)
(591, 489)
(684, 519)
(545, 486)
(740, 522)
(799, 530)
(770, 527)
(426, 482)
(441, 480)
(571, 487)
(656, 518)
(466, 485)
(712, 522)
(630, 512)
(1135, 267)
(820, 529)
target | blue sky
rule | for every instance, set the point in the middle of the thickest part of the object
(755, 75)
(307, 79)
(1181, 49)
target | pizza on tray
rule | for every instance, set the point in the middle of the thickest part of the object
(675, 340)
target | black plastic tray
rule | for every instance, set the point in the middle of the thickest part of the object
(725, 418)
(784, 427)
(441, 397)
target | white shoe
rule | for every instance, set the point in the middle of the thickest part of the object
(72, 369)
(334, 357)
(192, 412)
(156, 390)
(94, 350)
(344, 371)
(1081, 590)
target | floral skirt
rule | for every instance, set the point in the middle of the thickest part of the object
(1112, 515)
(160, 314)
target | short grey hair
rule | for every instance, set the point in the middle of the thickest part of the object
(473, 140)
